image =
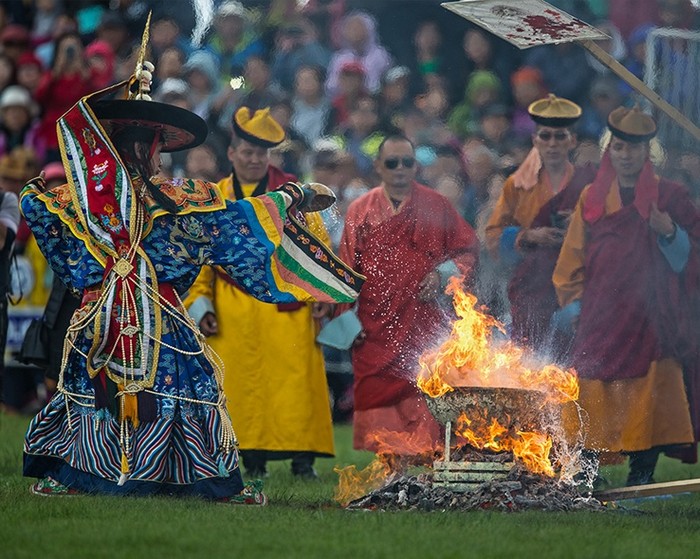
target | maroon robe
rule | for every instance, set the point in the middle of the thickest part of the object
(396, 250)
(635, 309)
(533, 300)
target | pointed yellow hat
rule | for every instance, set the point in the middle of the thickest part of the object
(258, 128)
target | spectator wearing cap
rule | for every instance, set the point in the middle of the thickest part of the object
(234, 39)
(350, 88)
(528, 224)
(29, 71)
(15, 40)
(627, 279)
(360, 45)
(19, 125)
(394, 97)
(278, 404)
(528, 86)
(202, 78)
(297, 45)
(101, 61)
(311, 110)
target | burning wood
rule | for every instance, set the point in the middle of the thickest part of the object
(493, 393)
(505, 446)
(519, 490)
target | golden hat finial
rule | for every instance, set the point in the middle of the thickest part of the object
(140, 84)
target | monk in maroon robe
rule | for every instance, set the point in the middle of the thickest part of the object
(408, 240)
(533, 300)
(629, 268)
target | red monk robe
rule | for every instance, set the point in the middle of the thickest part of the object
(396, 249)
(637, 334)
(530, 291)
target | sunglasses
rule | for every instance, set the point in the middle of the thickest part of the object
(558, 136)
(393, 162)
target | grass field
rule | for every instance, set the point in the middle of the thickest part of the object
(304, 521)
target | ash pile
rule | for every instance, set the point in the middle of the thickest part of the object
(519, 490)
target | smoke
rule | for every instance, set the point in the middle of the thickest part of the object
(204, 15)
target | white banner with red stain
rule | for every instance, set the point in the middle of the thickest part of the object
(525, 23)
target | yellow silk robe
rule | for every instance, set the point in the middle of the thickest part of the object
(275, 378)
(628, 414)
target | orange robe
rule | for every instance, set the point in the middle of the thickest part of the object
(518, 207)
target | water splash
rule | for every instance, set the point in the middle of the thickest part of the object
(204, 15)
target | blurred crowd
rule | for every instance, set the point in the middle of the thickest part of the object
(338, 75)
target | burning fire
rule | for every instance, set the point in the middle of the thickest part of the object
(471, 358)
(395, 453)
(531, 448)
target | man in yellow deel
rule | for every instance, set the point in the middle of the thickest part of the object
(275, 379)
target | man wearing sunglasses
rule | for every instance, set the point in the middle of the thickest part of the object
(408, 241)
(628, 272)
(528, 224)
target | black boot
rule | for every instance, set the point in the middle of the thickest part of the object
(255, 463)
(303, 466)
(642, 466)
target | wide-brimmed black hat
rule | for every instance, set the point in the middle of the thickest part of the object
(179, 129)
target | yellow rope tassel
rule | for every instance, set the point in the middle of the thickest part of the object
(124, 470)
(129, 407)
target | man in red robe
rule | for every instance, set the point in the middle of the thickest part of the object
(408, 241)
(629, 275)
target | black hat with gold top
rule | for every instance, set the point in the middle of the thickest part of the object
(554, 111)
(257, 128)
(631, 125)
(173, 127)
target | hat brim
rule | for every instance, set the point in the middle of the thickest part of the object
(631, 138)
(179, 128)
(555, 122)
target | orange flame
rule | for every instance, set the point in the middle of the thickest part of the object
(395, 453)
(531, 448)
(471, 357)
(354, 483)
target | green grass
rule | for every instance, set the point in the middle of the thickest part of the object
(303, 521)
